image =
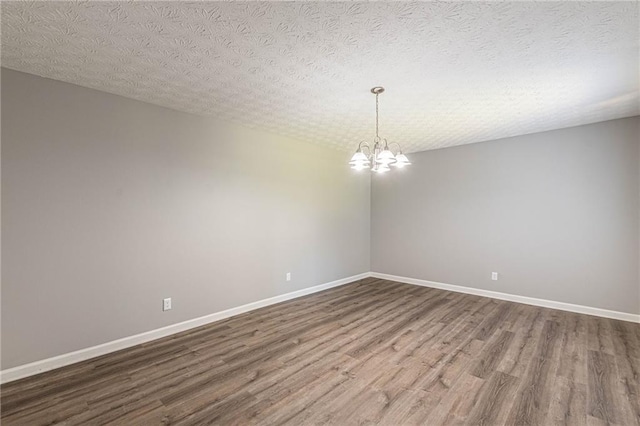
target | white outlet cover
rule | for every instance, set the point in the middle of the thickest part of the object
(166, 304)
(494, 276)
(288, 276)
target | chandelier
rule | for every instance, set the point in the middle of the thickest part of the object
(380, 157)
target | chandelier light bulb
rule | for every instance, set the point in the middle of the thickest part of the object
(360, 166)
(359, 157)
(386, 157)
(401, 161)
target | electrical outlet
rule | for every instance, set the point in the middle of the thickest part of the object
(494, 276)
(288, 276)
(166, 304)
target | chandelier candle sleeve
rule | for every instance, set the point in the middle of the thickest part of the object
(380, 157)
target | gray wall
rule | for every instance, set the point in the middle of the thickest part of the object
(109, 205)
(556, 214)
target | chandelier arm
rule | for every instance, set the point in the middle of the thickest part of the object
(399, 147)
(363, 144)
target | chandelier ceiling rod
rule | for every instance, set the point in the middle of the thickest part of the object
(377, 136)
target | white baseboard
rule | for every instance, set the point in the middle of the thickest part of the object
(514, 298)
(48, 364)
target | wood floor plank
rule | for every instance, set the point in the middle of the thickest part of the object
(371, 352)
(600, 335)
(495, 400)
(602, 401)
(627, 359)
(568, 403)
(524, 343)
(305, 404)
(533, 395)
(491, 357)
(573, 362)
(455, 406)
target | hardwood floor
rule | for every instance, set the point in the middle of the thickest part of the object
(371, 352)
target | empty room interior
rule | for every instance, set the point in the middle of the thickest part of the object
(320, 212)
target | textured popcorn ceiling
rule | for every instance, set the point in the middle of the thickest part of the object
(455, 73)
